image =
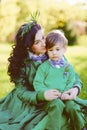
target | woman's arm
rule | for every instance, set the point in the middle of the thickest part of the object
(24, 93)
(77, 83)
(73, 91)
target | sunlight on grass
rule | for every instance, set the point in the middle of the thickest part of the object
(77, 55)
(5, 85)
(82, 40)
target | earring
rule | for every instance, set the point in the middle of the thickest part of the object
(27, 48)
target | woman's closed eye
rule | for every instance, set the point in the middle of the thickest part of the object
(43, 37)
(53, 49)
(37, 42)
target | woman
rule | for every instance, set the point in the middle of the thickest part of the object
(21, 109)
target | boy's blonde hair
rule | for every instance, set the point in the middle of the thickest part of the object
(56, 37)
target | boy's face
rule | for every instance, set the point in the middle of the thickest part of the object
(56, 52)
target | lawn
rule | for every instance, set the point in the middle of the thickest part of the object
(77, 55)
(5, 85)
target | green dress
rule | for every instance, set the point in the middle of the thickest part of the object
(20, 110)
(20, 107)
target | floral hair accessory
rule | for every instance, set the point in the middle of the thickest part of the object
(32, 21)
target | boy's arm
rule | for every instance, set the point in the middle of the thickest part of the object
(38, 82)
(70, 74)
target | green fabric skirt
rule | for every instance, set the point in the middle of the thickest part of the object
(17, 114)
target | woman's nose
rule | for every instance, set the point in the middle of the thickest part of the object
(43, 43)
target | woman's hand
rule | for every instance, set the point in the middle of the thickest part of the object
(51, 94)
(65, 96)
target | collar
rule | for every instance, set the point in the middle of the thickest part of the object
(58, 64)
(38, 58)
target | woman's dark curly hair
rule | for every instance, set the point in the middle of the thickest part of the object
(19, 50)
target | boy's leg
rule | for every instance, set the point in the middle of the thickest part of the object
(74, 112)
(54, 109)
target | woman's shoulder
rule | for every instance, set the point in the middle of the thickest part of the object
(45, 63)
(27, 61)
(44, 66)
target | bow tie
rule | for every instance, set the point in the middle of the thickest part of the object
(59, 63)
(39, 58)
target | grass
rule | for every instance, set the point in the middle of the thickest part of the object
(77, 55)
(5, 85)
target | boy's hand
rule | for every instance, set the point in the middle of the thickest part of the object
(51, 94)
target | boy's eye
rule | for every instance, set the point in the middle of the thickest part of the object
(57, 49)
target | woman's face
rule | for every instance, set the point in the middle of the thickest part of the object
(39, 46)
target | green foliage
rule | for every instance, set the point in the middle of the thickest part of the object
(8, 15)
(69, 33)
(24, 12)
(53, 14)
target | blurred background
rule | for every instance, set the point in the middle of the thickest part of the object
(69, 16)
